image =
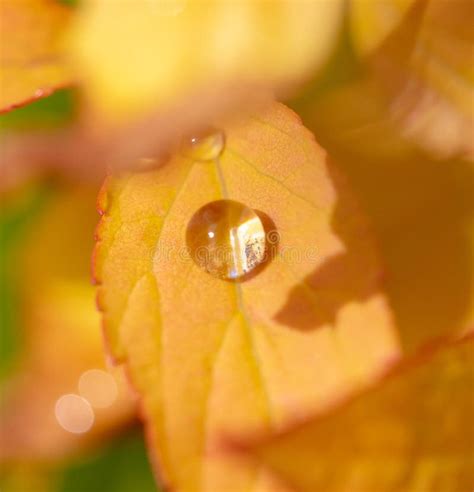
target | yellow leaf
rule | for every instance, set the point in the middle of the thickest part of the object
(32, 61)
(209, 355)
(425, 70)
(435, 105)
(416, 89)
(136, 55)
(412, 432)
(62, 349)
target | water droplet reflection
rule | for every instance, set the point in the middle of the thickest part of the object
(98, 387)
(206, 147)
(226, 239)
(74, 413)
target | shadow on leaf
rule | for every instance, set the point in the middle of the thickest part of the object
(352, 275)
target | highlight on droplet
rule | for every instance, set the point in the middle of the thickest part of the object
(74, 413)
(98, 387)
(205, 147)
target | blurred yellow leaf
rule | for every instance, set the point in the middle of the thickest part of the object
(415, 89)
(61, 340)
(425, 71)
(136, 55)
(412, 432)
(32, 61)
(435, 105)
(371, 21)
(209, 355)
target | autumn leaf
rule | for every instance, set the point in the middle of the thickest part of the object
(32, 63)
(435, 105)
(62, 349)
(137, 55)
(209, 355)
(423, 217)
(425, 72)
(420, 203)
(412, 432)
(413, 90)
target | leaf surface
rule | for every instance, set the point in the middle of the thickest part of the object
(411, 432)
(208, 355)
(32, 63)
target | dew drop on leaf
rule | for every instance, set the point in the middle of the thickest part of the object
(205, 147)
(226, 239)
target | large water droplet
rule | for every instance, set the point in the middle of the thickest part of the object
(206, 147)
(226, 238)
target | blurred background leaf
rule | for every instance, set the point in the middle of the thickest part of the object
(14, 219)
(121, 467)
(44, 114)
(20, 208)
(121, 464)
(33, 61)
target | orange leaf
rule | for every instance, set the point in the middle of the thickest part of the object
(32, 61)
(412, 432)
(209, 355)
(422, 214)
(62, 343)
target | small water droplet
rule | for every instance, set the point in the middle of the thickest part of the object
(226, 239)
(206, 147)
